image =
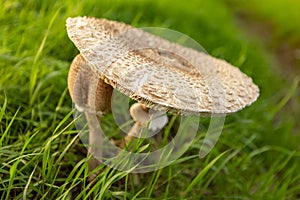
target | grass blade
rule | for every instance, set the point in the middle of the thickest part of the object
(8, 127)
(199, 177)
(3, 108)
(34, 69)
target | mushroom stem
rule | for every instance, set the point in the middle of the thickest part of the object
(134, 132)
(95, 141)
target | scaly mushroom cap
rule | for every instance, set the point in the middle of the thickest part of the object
(158, 73)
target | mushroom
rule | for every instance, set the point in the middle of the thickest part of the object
(159, 74)
(154, 120)
(139, 113)
(90, 94)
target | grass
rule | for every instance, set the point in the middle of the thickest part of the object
(279, 21)
(42, 157)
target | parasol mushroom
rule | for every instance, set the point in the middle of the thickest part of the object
(157, 73)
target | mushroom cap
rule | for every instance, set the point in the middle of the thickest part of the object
(143, 115)
(139, 113)
(158, 73)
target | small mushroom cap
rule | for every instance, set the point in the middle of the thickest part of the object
(158, 73)
(141, 114)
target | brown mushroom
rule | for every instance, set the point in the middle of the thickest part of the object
(157, 73)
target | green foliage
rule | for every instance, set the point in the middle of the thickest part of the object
(282, 15)
(41, 156)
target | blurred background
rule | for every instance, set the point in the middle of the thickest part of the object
(42, 157)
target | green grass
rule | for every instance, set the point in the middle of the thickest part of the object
(42, 157)
(282, 15)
